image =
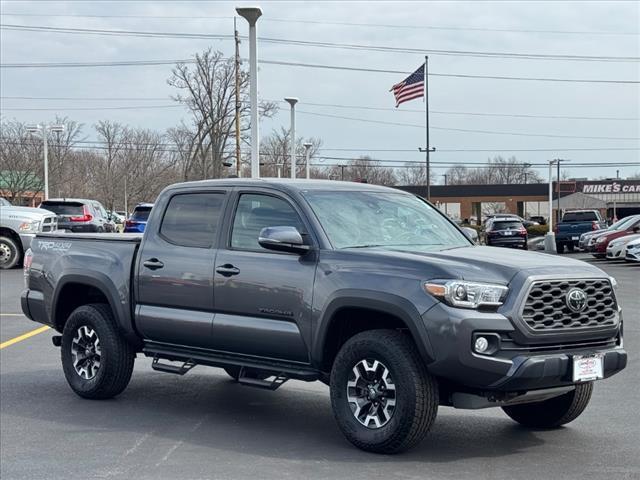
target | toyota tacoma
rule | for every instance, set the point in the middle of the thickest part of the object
(368, 289)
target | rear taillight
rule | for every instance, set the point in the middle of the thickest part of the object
(555, 229)
(86, 216)
(595, 226)
(523, 231)
(26, 262)
(129, 223)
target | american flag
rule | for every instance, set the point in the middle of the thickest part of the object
(410, 88)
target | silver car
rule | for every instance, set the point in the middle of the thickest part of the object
(18, 226)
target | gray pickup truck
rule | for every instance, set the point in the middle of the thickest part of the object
(18, 226)
(368, 289)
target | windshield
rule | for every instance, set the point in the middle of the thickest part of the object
(623, 224)
(141, 214)
(374, 219)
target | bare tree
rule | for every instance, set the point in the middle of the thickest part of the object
(275, 154)
(21, 165)
(414, 174)
(497, 171)
(364, 169)
(61, 166)
(207, 89)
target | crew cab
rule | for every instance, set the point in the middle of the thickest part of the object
(573, 224)
(18, 226)
(369, 289)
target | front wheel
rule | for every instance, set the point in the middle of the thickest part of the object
(9, 253)
(383, 398)
(96, 360)
(554, 412)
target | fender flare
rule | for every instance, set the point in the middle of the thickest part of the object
(387, 303)
(118, 304)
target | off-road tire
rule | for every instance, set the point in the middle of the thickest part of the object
(416, 392)
(116, 359)
(9, 244)
(554, 412)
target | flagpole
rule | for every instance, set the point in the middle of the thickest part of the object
(426, 109)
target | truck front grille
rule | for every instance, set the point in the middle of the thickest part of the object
(50, 224)
(547, 309)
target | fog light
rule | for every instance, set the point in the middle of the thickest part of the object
(481, 345)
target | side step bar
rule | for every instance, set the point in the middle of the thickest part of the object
(165, 367)
(192, 357)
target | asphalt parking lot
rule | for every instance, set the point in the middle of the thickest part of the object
(204, 426)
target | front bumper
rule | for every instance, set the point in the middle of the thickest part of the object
(513, 367)
(632, 254)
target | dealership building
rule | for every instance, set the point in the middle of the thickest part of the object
(614, 198)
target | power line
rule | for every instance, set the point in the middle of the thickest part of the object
(491, 132)
(308, 43)
(327, 22)
(137, 63)
(65, 109)
(334, 105)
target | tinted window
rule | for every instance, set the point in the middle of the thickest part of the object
(141, 214)
(191, 220)
(509, 225)
(64, 208)
(580, 217)
(256, 212)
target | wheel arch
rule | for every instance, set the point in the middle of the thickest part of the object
(352, 312)
(74, 290)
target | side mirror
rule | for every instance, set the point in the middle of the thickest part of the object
(283, 239)
(471, 234)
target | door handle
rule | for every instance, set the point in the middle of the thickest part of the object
(153, 264)
(227, 270)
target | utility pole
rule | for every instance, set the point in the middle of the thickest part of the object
(557, 161)
(237, 64)
(307, 151)
(446, 176)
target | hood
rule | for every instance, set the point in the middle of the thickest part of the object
(625, 240)
(486, 264)
(25, 212)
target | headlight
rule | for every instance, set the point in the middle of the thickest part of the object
(29, 226)
(601, 240)
(462, 294)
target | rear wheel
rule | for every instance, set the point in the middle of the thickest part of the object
(554, 412)
(560, 247)
(383, 398)
(96, 360)
(9, 253)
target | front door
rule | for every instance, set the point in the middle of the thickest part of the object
(263, 298)
(175, 270)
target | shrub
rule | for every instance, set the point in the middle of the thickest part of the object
(537, 230)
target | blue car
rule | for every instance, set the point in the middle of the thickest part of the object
(138, 219)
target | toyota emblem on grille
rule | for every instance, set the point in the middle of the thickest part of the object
(576, 299)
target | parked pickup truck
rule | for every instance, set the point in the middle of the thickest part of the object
(573, 224)
(18, 226)
(368, 289)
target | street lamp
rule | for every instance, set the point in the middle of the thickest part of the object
(526, 166)
(44, 130)
(307, 151)
(292, 134)
(251, 15)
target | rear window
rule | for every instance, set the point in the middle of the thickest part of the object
(141, 214)
(191, 219)
(506, 225)
(580, 217)
(64, 208)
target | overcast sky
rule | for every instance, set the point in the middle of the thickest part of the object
(607, 28)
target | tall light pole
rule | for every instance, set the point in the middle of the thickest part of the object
(549, 239)
(292, 134)
(251, 15)
(307, 154)
(44, 131)
(526, 166)
(558, 161)
(446, 177)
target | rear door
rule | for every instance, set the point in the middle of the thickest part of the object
(263, 298)
(175, 269)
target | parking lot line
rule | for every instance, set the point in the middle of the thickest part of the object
(24, 336)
